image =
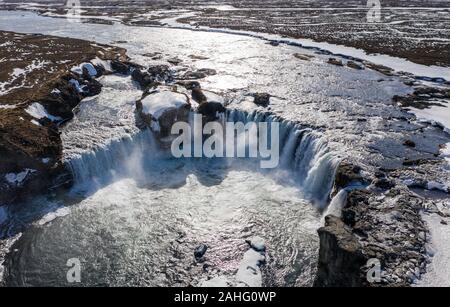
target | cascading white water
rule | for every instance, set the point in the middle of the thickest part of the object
(302, 153)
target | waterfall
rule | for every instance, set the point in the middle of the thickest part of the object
(302, 152)
(304, 156)
(336, 205)
(119, 157)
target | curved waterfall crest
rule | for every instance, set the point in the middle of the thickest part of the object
(304, 156)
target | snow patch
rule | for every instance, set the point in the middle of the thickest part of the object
(249, 272)
(257, 243)
(105, 64)
(435, 114)
(38, 111)
(18, 178)
(217, 282)
(53, 215)
(7, 106)
(89, 68)
(35, 122)
(76, 85)
(156, 104)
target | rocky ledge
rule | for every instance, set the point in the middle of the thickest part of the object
(379, 237)
(42, 82)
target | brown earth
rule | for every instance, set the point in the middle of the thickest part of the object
(44, 64)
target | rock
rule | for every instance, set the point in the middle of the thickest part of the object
(444, 222)
(335, 61)
(92, 88)
(354, 65)
(200, 251)
(261, 99)
(210, 110)
(409, 143)
(159, 110)
(257, 243)
(380, 68)
(143, 78)
(340, 256)
(120, 67)
(383, 183)
(304, 57)
(198, 95)
(160, 73)
(346, 174)
(198, 74)
(174, 61)
(274, 43)
(189, 85)
(198, 57)
(88, 71)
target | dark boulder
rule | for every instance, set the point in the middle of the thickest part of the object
(261, 99)
(384, 183)
(198, 95)
(200, 251)
(340, 256)
(120, 67)
(189, 85)
(346, 174)
(210, 110)
(409, 143)
(335, 61)
(160, 72)
(354, 65)
(143, 78)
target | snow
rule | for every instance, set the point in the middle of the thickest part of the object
(88, 66)
(7, 106)
(105, 64)
(218, 282)
(35, 122)
(18, 178)
(213, 97)
(55, 91)
(249, 272)
(438, 271)
(435, 114)
(45, 160)
(156, 104)
(38, 111)
(257, 243)
(76, 85)
(53, 215)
